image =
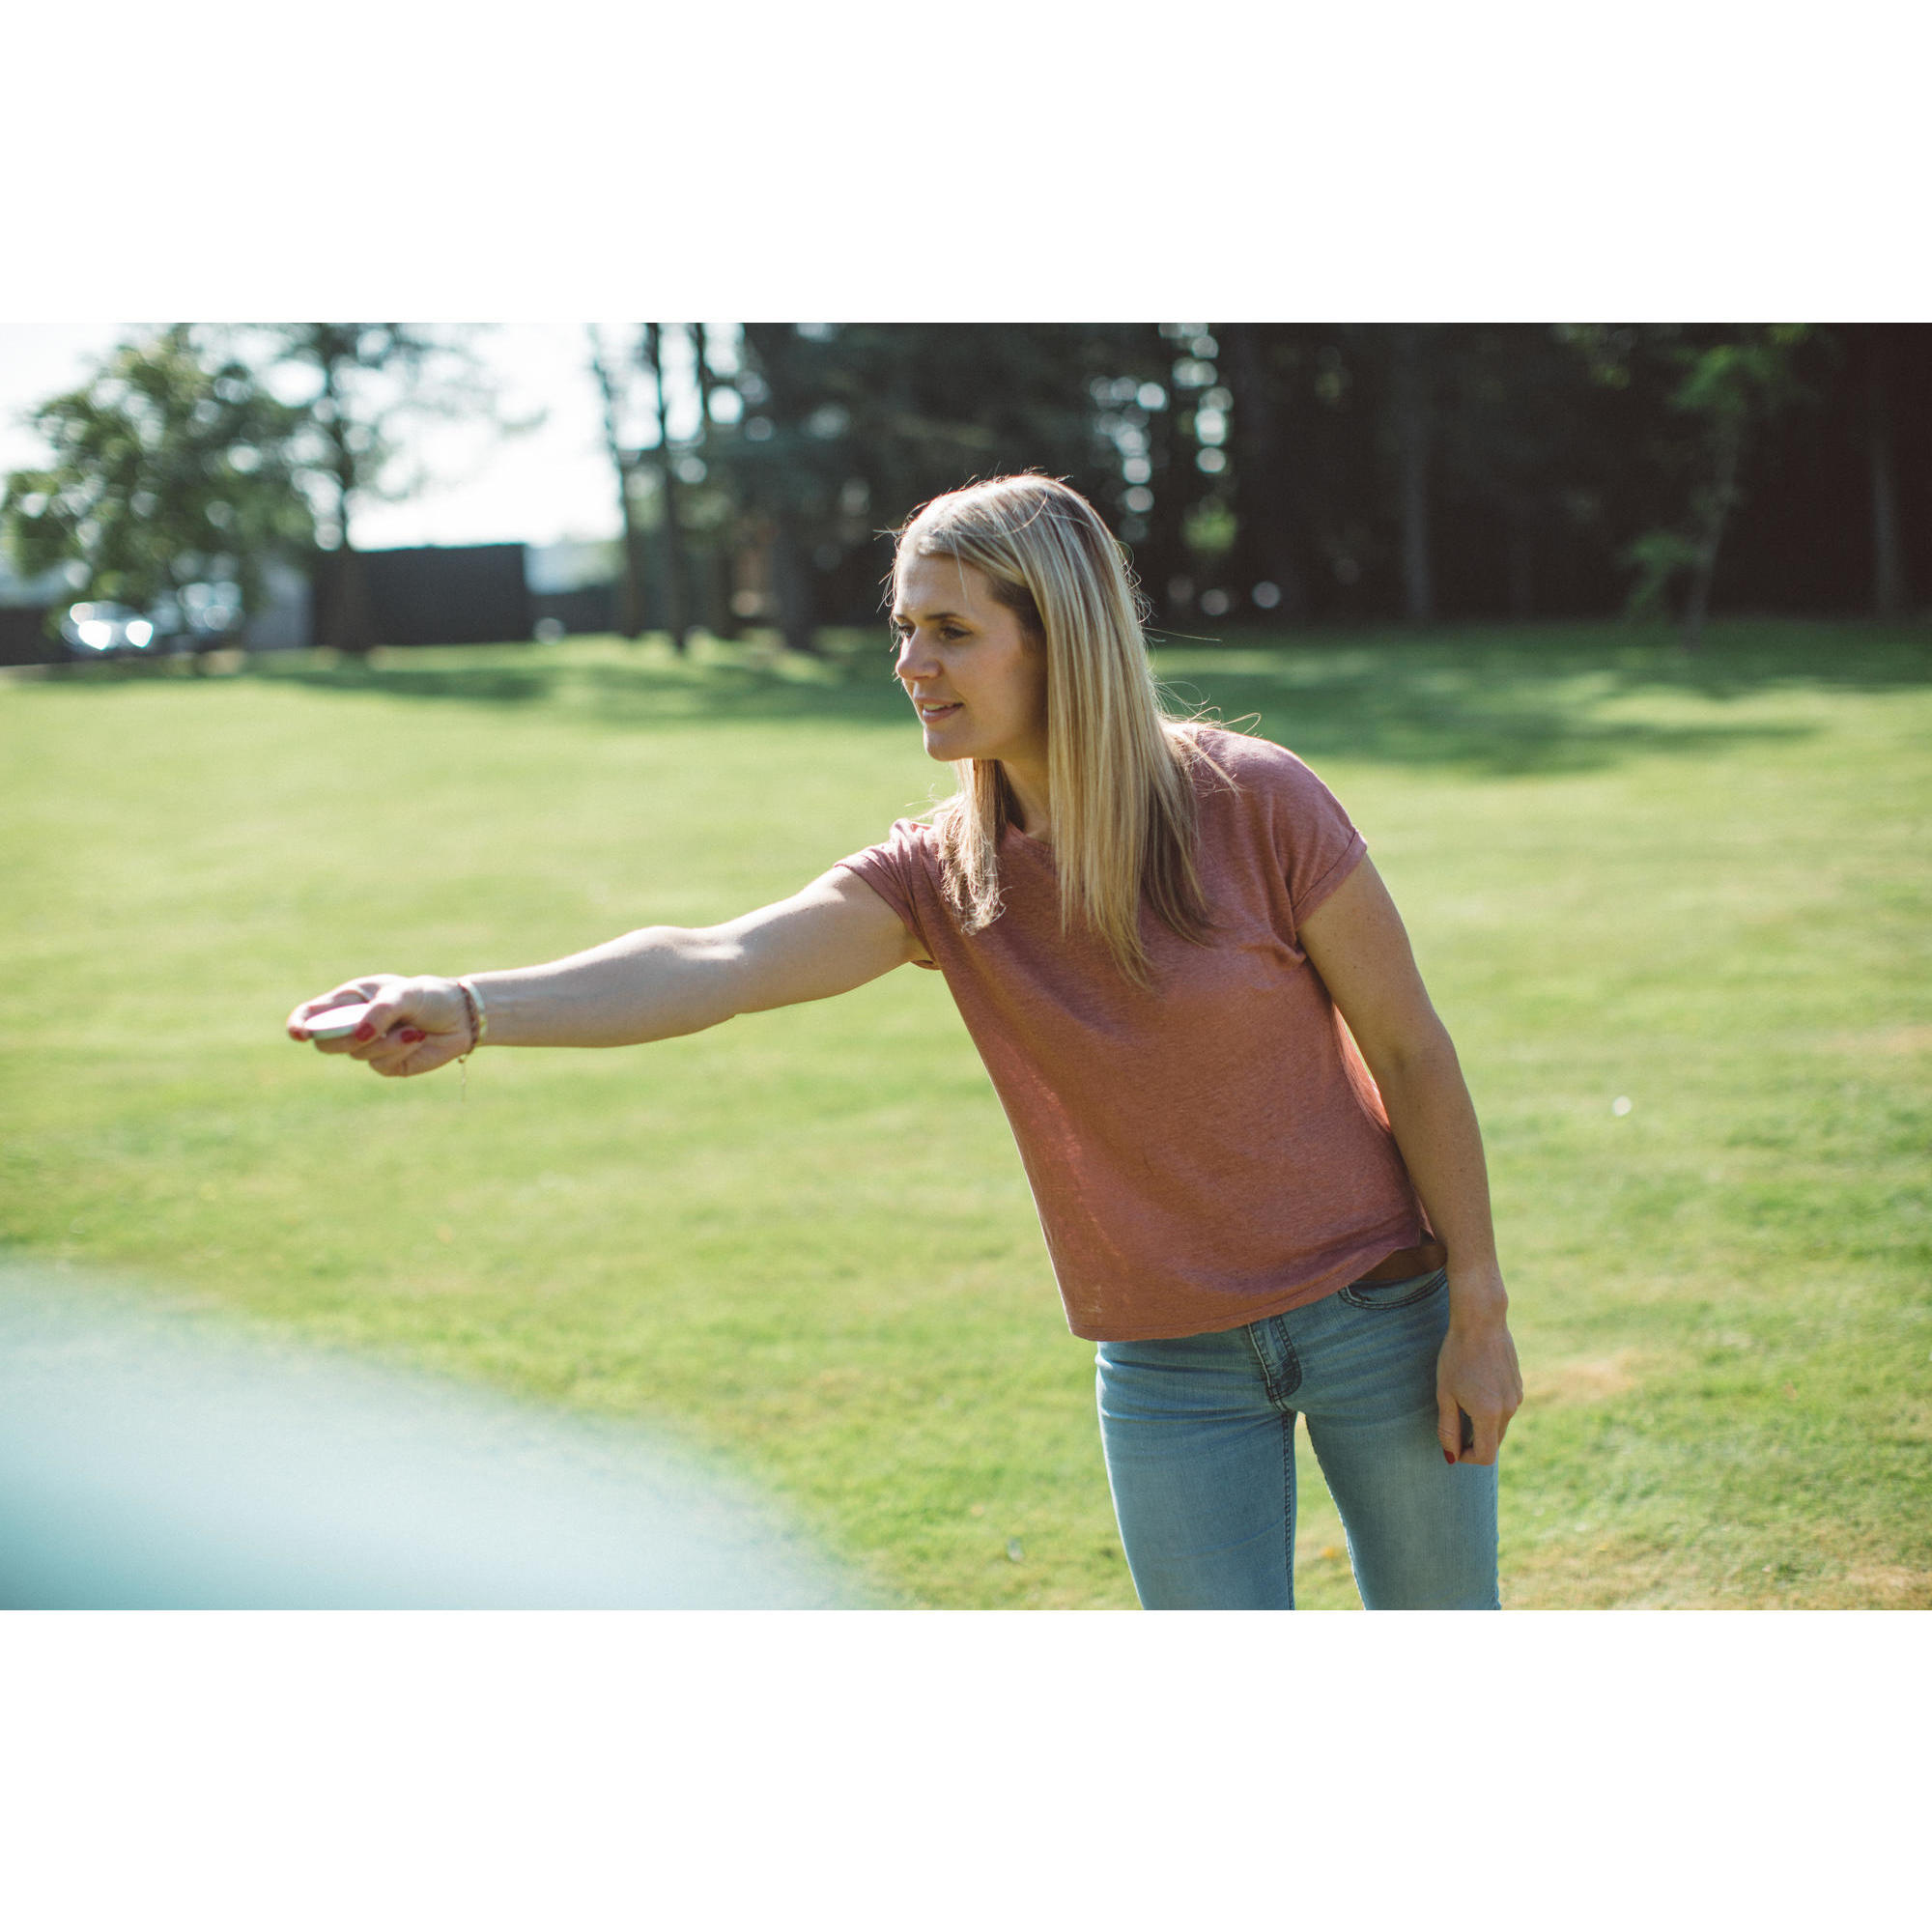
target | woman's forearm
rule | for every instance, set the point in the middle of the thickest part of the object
(653, 983)
(1433, 1121)
(664, 980)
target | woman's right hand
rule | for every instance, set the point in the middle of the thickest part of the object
(414, 1026)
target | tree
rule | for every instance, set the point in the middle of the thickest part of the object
(783, 463)
(1329, 508)
(1890, 590)
(357, 383)
(1153, 463)
(1266, 491)
(846, 424)
(606, 369)
(1727, 388)
(1411, 418)
(679, 491)
(670, 539)
(718, 526)
(1520, 458)
(171, 467)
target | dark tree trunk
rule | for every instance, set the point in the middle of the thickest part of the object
(630, 592)
(1161, 557)
(791, 584)
(348, 619)
(792, 578)
(1263, 491)
(1717, 503)
(720, 619)
(714, 561)
(349, 622)
(1520, 557)
(1409, 402)
(1891, 592)
(670, 545)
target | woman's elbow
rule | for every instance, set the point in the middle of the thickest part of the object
(1418, 1052)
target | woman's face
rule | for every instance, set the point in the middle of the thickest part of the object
(978, 681)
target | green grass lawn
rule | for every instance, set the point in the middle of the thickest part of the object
(804, 1242)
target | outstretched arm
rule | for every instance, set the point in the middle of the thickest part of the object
(650, 985)
(1357, 944)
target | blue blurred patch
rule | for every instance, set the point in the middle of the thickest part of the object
(156, 1460)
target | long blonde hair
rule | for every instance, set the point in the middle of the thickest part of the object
(1118, 767)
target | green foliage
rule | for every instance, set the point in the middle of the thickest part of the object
(802, 1238)
(1211, 528)
(1660, 558)
(1726, 391)
(170, 466)
(356, 385)
(848, 428)
(1742, 378)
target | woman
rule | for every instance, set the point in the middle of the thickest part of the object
(1155, 932)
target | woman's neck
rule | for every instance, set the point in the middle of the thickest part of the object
(1032, 811)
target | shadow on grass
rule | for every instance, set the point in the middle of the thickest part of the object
(1519, 701)
(638, 686)
(1497, 699)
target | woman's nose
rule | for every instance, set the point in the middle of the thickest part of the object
(915, 660)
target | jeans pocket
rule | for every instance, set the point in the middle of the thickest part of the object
(1386, 1294)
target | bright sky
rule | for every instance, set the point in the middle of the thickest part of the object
(553, 484)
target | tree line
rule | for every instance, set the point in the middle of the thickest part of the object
(1263, 474)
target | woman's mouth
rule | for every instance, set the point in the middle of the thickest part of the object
(931, 714)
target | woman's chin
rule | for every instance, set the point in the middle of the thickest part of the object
(946, 745)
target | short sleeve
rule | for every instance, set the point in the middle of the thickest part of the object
(1318, 843)
(896, 869)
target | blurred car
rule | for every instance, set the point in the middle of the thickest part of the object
(198, 617)
(106, 630)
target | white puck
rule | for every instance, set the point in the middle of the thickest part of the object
(337, 1023)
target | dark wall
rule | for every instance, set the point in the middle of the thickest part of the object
(24, 639)
(463, 594)
(590, 611)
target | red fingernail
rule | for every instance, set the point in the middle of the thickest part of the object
(411, 1034)
(366, 1031)
(1447, 1457)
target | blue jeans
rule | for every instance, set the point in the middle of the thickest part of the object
(1199, 1435)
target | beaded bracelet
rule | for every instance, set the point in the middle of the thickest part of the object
(479, 1020)
(479, 1029)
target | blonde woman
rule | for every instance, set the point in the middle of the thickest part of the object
(1255, 1163)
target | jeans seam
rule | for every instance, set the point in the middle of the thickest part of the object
(1277, 1392)
(1288, 1498)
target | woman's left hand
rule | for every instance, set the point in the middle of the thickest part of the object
(1476, 1374)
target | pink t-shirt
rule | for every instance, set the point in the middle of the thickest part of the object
(1208, 1150)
